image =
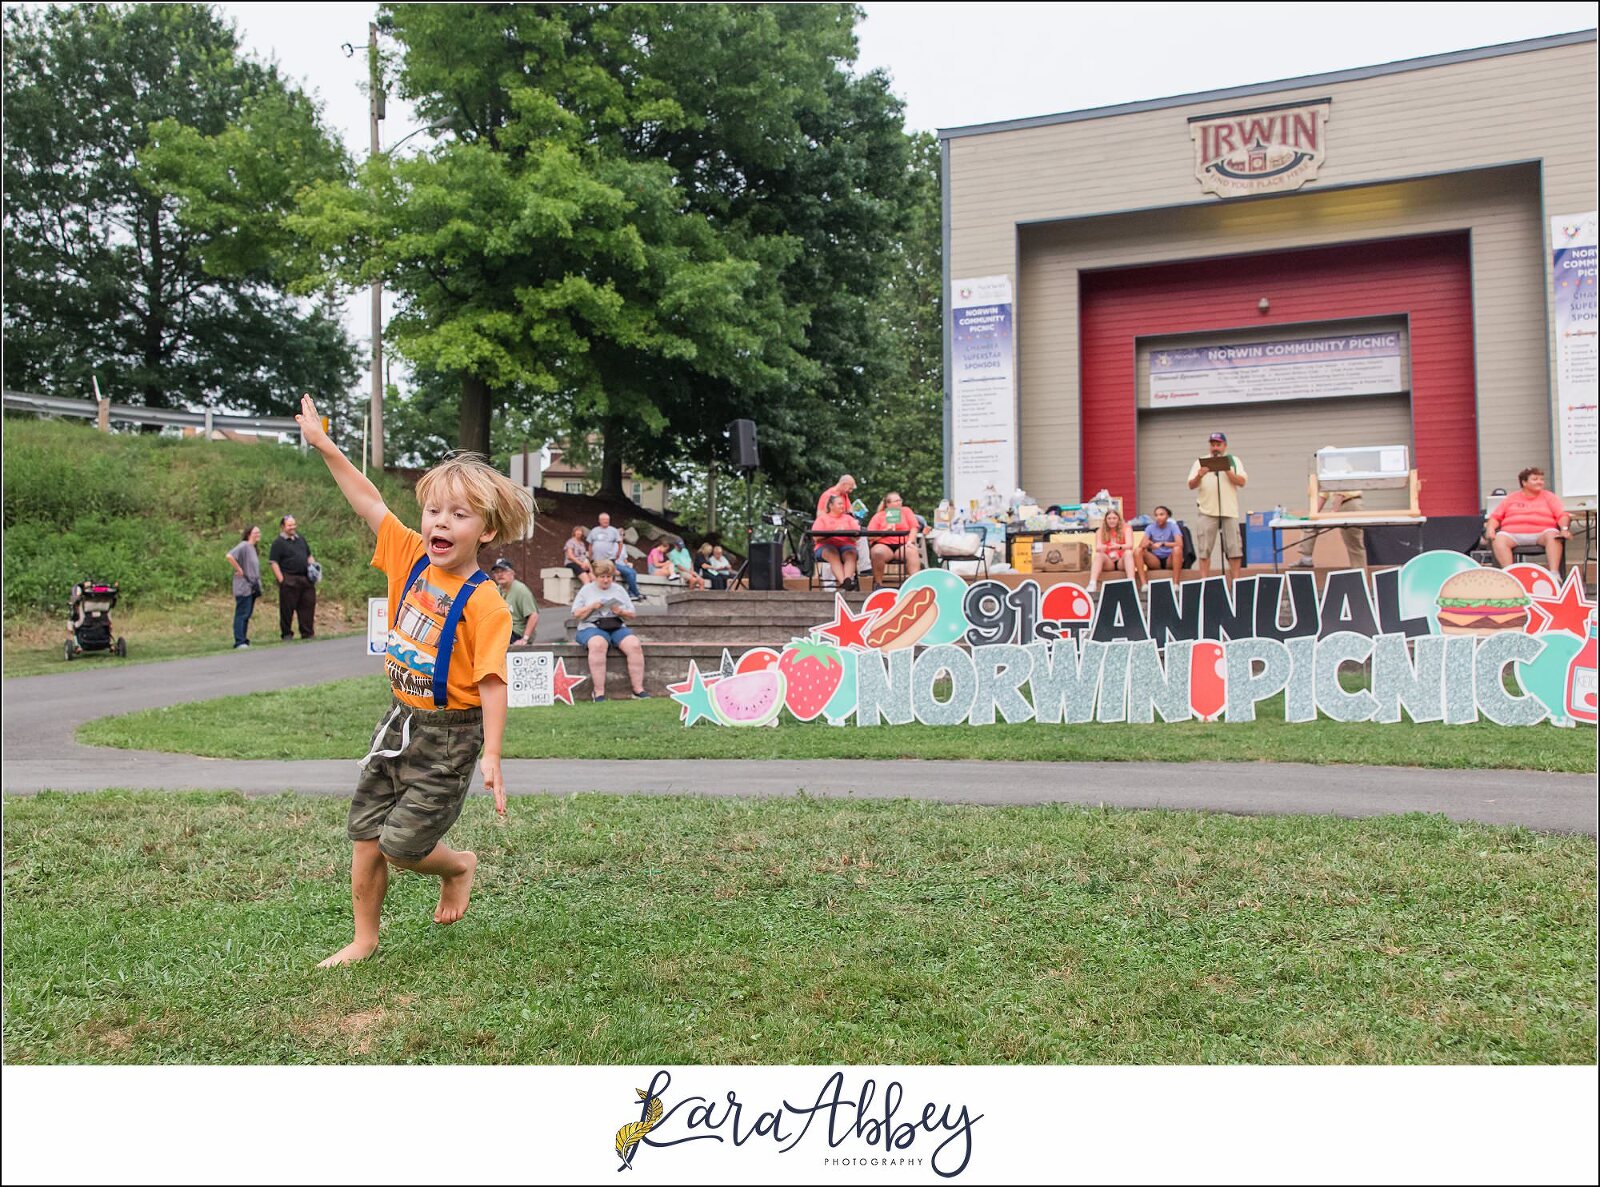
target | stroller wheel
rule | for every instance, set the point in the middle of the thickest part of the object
(122, 647)
(70, 650)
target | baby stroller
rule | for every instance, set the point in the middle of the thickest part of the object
(92, 603)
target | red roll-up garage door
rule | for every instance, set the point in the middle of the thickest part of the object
(1425, 280)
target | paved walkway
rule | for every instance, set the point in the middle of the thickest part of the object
(41, 714)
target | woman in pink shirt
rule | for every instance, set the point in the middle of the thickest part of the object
(1532, 516)
(886, 547)
(1113, 549)
(834, 548)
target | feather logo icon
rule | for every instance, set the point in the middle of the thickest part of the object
(629, 1136)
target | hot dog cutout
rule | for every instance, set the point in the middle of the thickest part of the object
(911, 618)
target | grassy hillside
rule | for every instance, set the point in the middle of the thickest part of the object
(157, 514)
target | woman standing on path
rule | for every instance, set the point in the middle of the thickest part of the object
(246, 583)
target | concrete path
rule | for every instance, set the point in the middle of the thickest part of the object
(41, 714)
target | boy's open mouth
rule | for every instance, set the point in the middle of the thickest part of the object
(439, 545)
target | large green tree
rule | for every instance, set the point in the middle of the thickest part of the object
(148, 165)
(650, 218)
(907, 408)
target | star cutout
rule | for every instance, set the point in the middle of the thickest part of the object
(1568, 611)
(694, 695)
(561, 684)
(727, 667)
(846, 629)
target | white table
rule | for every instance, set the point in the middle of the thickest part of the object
(1328, 523)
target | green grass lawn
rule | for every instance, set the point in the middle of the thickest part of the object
(336, 721)
(183, 928)
(202, 627)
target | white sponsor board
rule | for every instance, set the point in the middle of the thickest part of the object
(1300, 369)
(983, 392)
(1572, 282)
(532, 675)
(377, 625)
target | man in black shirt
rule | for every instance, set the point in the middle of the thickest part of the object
(297, 595)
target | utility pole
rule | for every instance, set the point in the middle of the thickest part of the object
(375, 108)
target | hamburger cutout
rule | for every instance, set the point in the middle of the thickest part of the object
(1482, 602)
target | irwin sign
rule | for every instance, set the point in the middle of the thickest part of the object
(1273, 150)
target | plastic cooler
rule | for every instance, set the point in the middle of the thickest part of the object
(1258, 538)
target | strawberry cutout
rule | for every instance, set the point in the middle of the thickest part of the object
(757, 659)
(812, 673)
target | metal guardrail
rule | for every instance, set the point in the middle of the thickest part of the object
(128, 413)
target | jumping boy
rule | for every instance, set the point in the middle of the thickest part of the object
(446, 662)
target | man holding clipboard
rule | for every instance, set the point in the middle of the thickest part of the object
(1216, 480)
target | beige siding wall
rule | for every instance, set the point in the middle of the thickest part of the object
(1275, 442)
(1499, 206)
(1525, 107)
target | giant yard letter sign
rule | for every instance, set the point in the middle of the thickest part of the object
(1439, 637)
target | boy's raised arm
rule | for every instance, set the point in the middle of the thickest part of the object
(353, 484)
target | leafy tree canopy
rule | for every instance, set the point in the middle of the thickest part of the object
(650, 219)
(148, 167)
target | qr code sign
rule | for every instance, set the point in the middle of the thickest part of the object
(532, 678)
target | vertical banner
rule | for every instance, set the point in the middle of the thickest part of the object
(983, 390)
(377, 625)
(1572, 280)
(532, 679)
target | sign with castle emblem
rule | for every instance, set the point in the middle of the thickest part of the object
(1270, 150)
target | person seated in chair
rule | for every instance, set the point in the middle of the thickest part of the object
(834, 548)
(892, 515)
(1527, 518)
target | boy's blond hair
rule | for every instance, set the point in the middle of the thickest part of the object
(507, 508)
(603, 569)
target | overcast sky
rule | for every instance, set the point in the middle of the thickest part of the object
(959, 64)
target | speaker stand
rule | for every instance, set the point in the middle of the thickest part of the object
(742, 575)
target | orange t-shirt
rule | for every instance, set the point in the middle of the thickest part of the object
(482, 634)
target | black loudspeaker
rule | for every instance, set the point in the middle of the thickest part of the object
(745, 454)
(766, 564)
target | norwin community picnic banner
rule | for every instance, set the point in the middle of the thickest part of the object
(1439, 635)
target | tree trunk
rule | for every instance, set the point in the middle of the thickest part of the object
(475, 411)
(711, 497)
(611, 461)
(155, 321)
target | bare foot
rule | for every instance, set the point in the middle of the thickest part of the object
(349, 954)
(455, 890)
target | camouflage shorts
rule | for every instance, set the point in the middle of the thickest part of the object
(409, 801)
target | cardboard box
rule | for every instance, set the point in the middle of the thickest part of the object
(1021, 557)
(1061, 557)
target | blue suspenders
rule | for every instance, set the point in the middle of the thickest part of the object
(447, 635)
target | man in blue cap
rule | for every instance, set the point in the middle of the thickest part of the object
(1216, 487)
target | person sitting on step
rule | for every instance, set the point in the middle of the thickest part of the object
(1113, 549)
(603, 610)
